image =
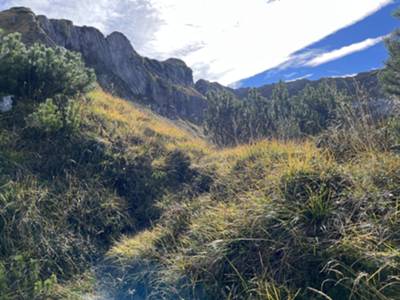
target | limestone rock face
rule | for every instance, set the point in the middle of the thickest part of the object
(166, 87)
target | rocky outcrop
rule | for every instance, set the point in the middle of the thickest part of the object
(166, 87)
(204, 87)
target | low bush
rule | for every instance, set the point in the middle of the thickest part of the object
(38, 72)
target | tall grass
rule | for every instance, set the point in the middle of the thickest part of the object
(281, 221)
(65, 197)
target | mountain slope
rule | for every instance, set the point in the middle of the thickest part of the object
(65, 197)
(95, 184)
(281, 221)
(166, 87)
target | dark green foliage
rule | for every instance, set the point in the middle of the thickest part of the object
(231, 121)
(17, 276)
(46, 117)
(222, 119)
(315, 109)
(39, 72)
(390, 75)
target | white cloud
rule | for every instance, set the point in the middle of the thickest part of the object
(344, 51)
(242, 38)
(345, 75)
(301, 77)
(223, 40)
(135, 18)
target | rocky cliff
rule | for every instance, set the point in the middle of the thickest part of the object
(166, 87)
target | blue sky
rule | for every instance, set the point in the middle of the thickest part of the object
(373, 27)
(228, 40)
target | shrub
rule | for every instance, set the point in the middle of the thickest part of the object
(39, 72)
(20, 279)
(52, 116)
(46, 117)
(389, 76)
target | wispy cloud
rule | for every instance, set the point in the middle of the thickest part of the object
(221, 40)
(344, 76)
(344, 51)
(316, 57)
(137, 19)
(301, 77)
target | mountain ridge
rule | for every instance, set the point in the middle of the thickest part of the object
(367, 81)
(166, 87)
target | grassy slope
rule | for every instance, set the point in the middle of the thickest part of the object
(65, 199)
(282, 221)
(266, 221)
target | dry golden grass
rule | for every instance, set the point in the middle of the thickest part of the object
(252, 178)
(130, 120)
(225, 236)
(142, 244)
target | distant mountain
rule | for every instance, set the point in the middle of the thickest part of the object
(166, 87)
(367, 81)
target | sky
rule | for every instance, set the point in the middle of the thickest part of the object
(357, 48)
(229, 40)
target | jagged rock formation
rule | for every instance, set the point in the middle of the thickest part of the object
(166, 87)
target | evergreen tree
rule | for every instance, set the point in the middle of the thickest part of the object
(390, 76)
(222, 122)
(39, 72)
(315, 108)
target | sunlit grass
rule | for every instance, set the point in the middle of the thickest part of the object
(142, 244)
(129, 120)
(227, 243)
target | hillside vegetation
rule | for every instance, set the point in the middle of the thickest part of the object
(282, 221)
(98, 196)
(311, 218)
(77, 169)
